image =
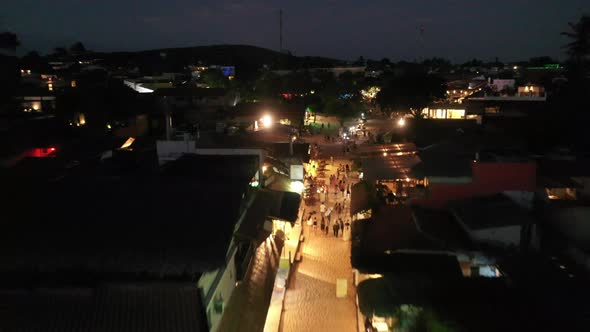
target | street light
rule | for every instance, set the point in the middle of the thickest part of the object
(401, 122)
(266, 121)
(297, 186)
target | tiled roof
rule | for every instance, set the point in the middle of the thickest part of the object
(171, 307)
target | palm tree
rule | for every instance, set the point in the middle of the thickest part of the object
(579, 46)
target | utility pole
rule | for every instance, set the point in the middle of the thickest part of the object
(281, 30)
(422, 46)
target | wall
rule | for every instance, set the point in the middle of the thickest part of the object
(499, 84)
(488, 178)
(224, 290)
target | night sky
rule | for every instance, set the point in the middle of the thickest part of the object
(346, 29)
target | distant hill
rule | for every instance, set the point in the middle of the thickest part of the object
(245, 57)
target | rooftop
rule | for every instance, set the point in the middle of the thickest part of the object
(389, 167)
(391, 229)
(484, 212)
(159, 224)
(191, 92)
(107, 307)
(441, 226)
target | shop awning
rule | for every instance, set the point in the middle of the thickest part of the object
(390, 167)
(268, 204)
(252, 226)
(284, 205)
(360, 197)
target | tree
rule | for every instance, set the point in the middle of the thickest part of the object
(77, 48)
(410, 93)
(360, 61)
(579, 46)
(437, 64)
(9, 41)
(343, 110)
(214, 78)
(350, 82)
(540, 61)
(297, 82)
(268, 85)
(473, 63)
(60, 51)
(33, 60)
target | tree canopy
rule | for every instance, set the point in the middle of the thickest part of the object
(214, 78)
(9, 41)
(77, 48)
(342, 109)
(579, 34)
(410, 93)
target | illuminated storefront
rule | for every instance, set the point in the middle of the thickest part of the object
(443, 113)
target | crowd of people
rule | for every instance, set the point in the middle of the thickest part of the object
(332, 216)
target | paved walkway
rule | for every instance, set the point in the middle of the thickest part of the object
(247, 308)
(310, 302)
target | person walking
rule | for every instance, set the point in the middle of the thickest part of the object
(336, 227)
(322, 223)
(322, 208)
(315, 223)
(327, 229)
(342, 226)
(348, 192)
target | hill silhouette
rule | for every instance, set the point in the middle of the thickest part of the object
(246, 58)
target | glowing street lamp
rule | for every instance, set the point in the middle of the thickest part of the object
(266, 121)
(297, 186)
(401, 122)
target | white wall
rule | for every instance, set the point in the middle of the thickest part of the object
(224, 290)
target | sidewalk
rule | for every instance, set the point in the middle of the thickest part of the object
(310, 302)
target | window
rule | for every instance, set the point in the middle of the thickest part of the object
(455, 114)
(492, 110)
